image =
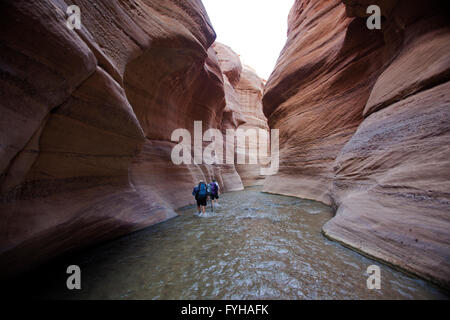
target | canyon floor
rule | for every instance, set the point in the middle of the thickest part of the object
(254, 245)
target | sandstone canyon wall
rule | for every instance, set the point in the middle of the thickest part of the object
(364, 119)
(87, 117)
(243, 91)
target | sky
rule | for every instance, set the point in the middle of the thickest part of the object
(254, 29)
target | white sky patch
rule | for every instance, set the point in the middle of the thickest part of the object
(254, 29)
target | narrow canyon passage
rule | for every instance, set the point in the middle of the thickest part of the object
(95, 173)
(253, 246)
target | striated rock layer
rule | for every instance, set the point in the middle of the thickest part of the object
(364, 123)
(243, 94)
(87, 117)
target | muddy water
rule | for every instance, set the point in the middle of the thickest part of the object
(253, 246)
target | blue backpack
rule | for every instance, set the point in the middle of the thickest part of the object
(202, 191)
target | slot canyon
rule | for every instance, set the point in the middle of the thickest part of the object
(364, 135)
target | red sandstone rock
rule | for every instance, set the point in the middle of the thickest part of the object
(87, 117)
(316, 94)
(250, 91)
(391, 185)
(243, 94)
(364, 125)
(229, 61)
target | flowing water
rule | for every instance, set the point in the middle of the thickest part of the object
(253, 246)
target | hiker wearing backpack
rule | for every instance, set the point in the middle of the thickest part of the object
(214, 194)
(201, 194)
(195, 194)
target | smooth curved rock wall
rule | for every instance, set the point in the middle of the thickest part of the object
(364, 124)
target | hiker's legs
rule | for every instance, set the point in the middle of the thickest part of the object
(204, 209)
(202, 205)
(198, 206)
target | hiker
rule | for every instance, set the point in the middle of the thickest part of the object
(195, 194)
(214, 191)
(201, 194)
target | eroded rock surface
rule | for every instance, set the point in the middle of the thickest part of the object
(243, 93)
(364, 120)
(87, 117)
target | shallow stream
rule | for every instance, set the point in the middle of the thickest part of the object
(253, 246)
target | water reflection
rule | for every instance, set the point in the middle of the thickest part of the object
(253, 246)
